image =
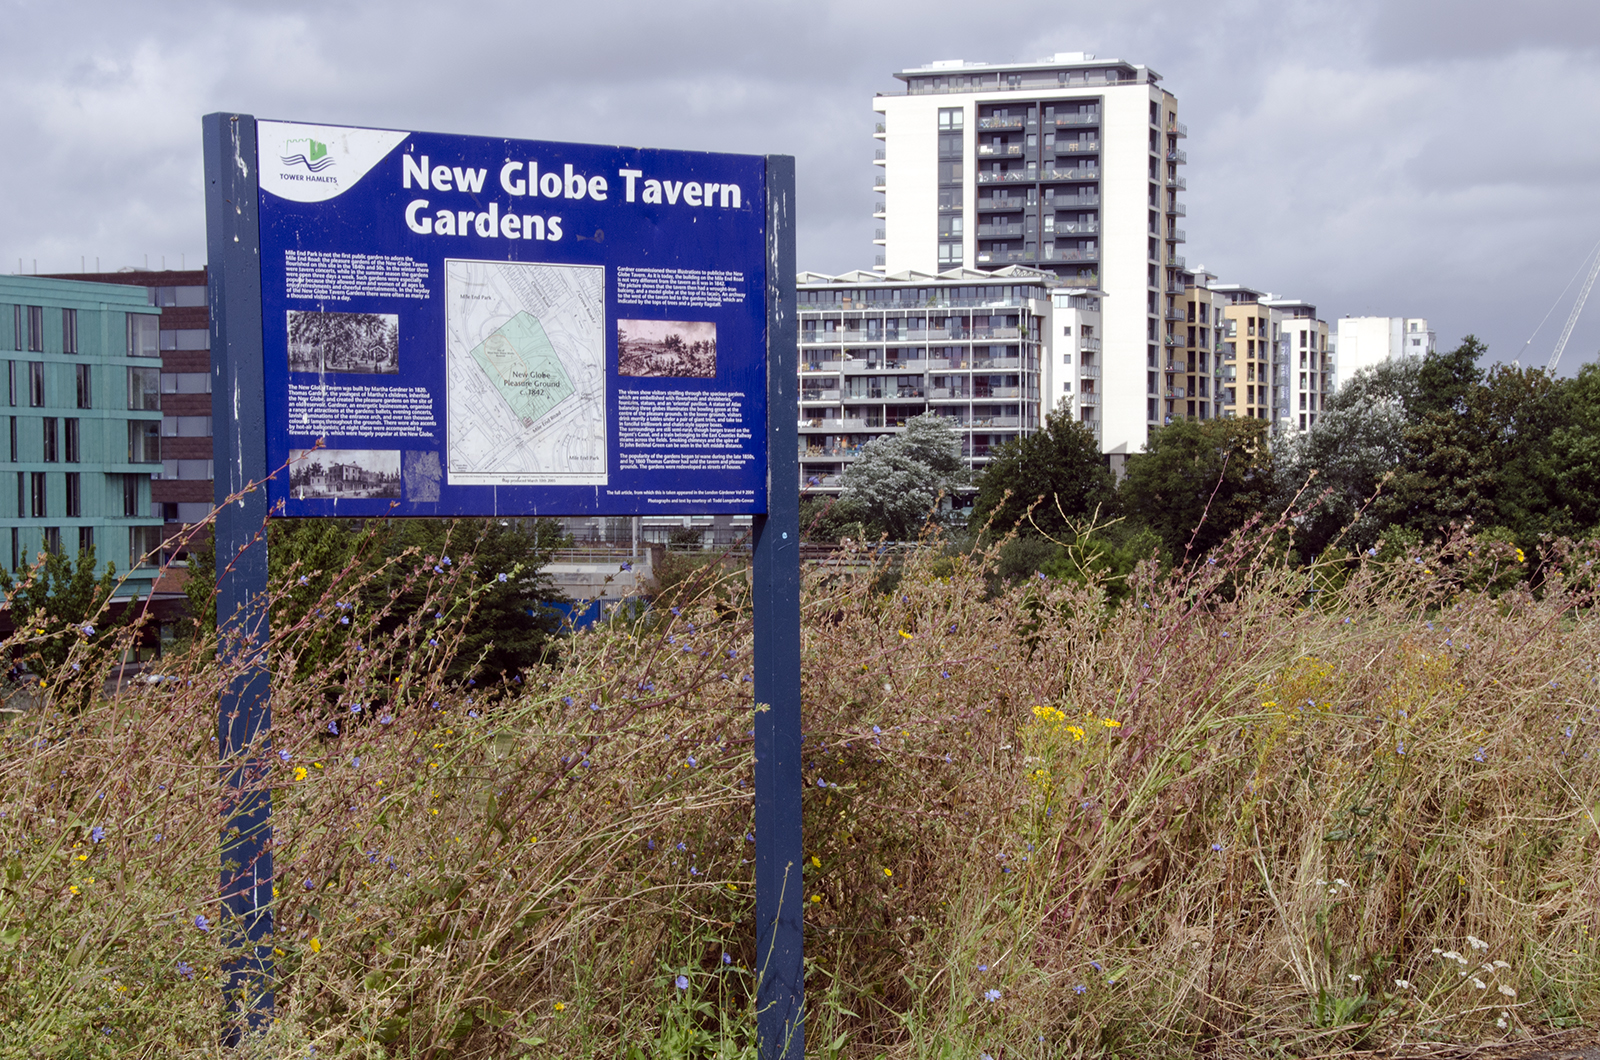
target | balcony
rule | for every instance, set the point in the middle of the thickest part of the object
(1173, 340)
(1177, 184)
(999, 123)
(880, 210)
(1071, 147)
(1177, 235)
(1070, 254)
(1076, 228)
(1073, 202)
(819, 423)
(1179, 366)
(1014, 176)
(996, 421)
(878, 236)
(879, 261)
(880, 182)
(1180, 157)
(1076, 173)
(813, 396)
(1177, 262)
(1064, 120)
(1089, 371)
(994, 363)
(1176, 127)
(823, 366)
(1177, 209)
(1004, 257)
(1088, 398)
(998, 231)
(995, 333)
(1088, 345)
(1176, 314)
(945, 393)
(877, 156)
(1002, 202)
(879, 130)
(999, 150)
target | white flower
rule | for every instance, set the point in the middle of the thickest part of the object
(1501, 964)
(1355, 978)
(1501, 1023)
(1477, 943)
(1403, 984)
(1478, 984)
(1437, 950)
(1449, 955)
(1507, 991)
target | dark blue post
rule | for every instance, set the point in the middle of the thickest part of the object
(775, 581)
(244, 715)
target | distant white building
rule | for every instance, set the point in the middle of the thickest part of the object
(1361, 342)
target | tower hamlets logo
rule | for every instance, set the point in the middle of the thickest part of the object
(307, 152)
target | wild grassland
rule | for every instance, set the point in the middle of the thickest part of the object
(1253, 811)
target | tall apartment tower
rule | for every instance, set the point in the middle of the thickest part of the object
(1068, 165)
(1303, 373)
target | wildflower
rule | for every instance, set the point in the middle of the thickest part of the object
(682, 847)
(386, 719)
(1478, 984)
(1403, 984)
(991, 995)
(1477, 943)
(97, 833)
(1501, 964)
(502, 578)
(816, 898)
(560, 1006)
(185, 970)
(1479, 756)
(1111, 723)
(344, 620)
(682, 982)
(88, 631)
(1354, 978)
(316, 944)
(1507, 991)
(983, 967)
(299, 772)
(1501, 1022)
(1079, 989)
(445, 561)
(284, 755)
(333, 727)
(1217, 847)
(888, 872)
(202, 923)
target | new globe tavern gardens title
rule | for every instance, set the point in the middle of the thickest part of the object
(523, 180)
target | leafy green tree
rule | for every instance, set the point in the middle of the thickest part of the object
(1197, 481)
(57, 605)
(1571, 461)
(1445, 380)
(1057, 471)
(899, 482)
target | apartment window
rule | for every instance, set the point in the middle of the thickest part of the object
(186, 339)
(51, 438)
(144, 441)
(85, 386)
(177, 296)
(85, 539)
(949, 253)
(74, 451)
(16, 323)
(144, 542)
(69, 331)
(16, 548)
(144, 389)
(143, 335)
(11, 382)
(52, 539)
(22, 495)
(186, 382)
(36, 384)
(36, 329)
(131, 508)
(36, 494)
(74, 495)
(951, 118)
(186, 427)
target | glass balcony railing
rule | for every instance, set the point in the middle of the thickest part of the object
(1063, 120)
(999, 150)
(999, 123)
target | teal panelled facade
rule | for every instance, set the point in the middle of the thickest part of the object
(80, 424)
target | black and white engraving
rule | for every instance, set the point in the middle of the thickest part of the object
(344, 473)
(344, 342)
(667, 347)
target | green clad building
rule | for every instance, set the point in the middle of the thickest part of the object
(80, 378)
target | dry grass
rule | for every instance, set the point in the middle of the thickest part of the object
(1220, 818)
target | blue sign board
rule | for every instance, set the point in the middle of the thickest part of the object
(459, 325)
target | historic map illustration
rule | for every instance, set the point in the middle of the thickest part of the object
(525, 349)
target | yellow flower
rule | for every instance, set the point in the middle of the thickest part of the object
(816, 898)
(1077, 733)
(904, 634)
(83, 857)
(531, 839)
(316, 944)
(1111, 723)
(299, 772)
(561, 1007)
(888, 872)
(73, 889)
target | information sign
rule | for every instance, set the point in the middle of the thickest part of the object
(459, 325)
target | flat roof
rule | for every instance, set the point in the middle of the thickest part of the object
(1060, 61)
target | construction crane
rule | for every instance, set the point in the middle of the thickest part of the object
(1572, 318)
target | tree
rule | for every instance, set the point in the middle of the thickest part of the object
(899, 481)
(1359, 437)
(56, 605)
(1571, 461)
(1058, 472)
(1197, 481)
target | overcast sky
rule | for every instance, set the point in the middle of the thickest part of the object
(1392, 157)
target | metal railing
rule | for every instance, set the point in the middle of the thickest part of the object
(999, 123)
(1177, 183)
(1177, 156)
(1088, 345)
(1089, 371)
(991, 231)
(1092, 118)
(1177, 209)
(1177, 235)
(877, 156)
(1088, 397)
(999, 150)
(998, 202)
(1075, 173)
(1176, 127)
(1064, 147)
(1076, 228)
